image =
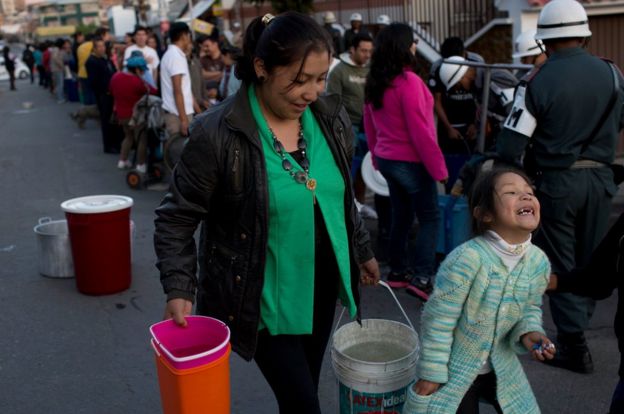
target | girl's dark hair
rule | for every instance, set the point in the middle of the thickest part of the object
(390, 57)
(482, 195)
(287, 38)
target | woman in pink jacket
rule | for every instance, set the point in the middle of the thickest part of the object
(401, 134)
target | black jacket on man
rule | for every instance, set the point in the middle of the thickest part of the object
(221, 181)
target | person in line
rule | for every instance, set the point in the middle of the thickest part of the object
(201, 101)
(211, 59)
(127, 88)
(356, 29)
(100, 70)
(456, 111)
(347, 79)
(529, 50)
(29, 60)
(266, 173)
(60, 55)
(571, 149)
(329, 20)
(229, 84)
(38, 56)
(175, 82)
(400, 129)
(486, 307)
(150, 55)
(154, 43)
(88, 109)
(9, 64)
(605, 270)
(462, 80)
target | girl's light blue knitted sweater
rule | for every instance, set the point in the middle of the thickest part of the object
(479, 310)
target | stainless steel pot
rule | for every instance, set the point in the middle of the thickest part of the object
(54, 248)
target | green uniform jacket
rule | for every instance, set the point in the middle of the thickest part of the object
(558, 107)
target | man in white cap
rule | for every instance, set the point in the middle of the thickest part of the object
(529, 50)
(356, 28)
(571, 111)
(383, 20)
(329, 19)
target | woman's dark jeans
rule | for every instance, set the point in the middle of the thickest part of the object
(412, 191)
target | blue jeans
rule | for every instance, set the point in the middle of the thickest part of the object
(412, 191)
(360, 148)
(59, 85)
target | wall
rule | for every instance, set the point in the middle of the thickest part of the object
(496, 45)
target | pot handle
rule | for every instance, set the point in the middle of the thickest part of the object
(44, 220)
(384, 284)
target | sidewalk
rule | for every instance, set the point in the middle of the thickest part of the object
(67, 352)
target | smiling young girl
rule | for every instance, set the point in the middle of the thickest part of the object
(485, 307)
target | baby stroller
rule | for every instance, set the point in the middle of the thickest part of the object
(147, 118)
(164, 150)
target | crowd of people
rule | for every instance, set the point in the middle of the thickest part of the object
(278, 122)
(265, 175)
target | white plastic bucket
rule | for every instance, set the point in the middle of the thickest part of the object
(53, 248)
(375, 364)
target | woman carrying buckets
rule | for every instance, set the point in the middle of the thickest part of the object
(267, 175)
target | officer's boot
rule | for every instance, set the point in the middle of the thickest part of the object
(572, 353)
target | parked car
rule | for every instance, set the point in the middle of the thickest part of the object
(21, 70)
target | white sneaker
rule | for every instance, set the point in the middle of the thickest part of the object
(142, 168)
(122, 165)
(368, 212)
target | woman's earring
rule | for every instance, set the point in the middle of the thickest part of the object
(261, 78)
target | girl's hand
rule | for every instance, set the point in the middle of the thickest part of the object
(538, 344)
(424, 387)
(369, 272)
(178, 309)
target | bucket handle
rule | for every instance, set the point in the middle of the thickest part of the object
(384, 284)
(44, 220)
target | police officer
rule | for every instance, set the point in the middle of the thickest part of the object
(569, 113)
(529, 50)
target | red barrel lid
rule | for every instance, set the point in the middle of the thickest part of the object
(96, 204)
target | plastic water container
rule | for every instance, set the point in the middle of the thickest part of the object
(202, 341)
(455, 223)
(200, 390)
(99, 231)
(193, 365)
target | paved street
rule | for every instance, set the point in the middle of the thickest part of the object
(66, 352)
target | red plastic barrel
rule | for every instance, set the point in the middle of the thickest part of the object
(99, 232)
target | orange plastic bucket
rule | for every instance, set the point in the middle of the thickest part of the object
(200, 390)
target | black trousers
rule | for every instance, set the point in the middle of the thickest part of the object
(111, 133)
(292, 364)
(483, 388)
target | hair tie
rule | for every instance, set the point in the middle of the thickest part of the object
(267, 18)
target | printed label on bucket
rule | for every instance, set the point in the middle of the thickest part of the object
(355, 402)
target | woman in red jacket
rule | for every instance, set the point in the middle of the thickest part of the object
(127, 88)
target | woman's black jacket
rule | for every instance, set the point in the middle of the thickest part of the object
(221, 181)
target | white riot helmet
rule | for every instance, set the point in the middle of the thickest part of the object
(527, 45)
(329, 17)
(562, 19)
(383, 19)
(451, 73)
(356, 17)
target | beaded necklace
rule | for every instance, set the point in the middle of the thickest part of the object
(301, 177)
